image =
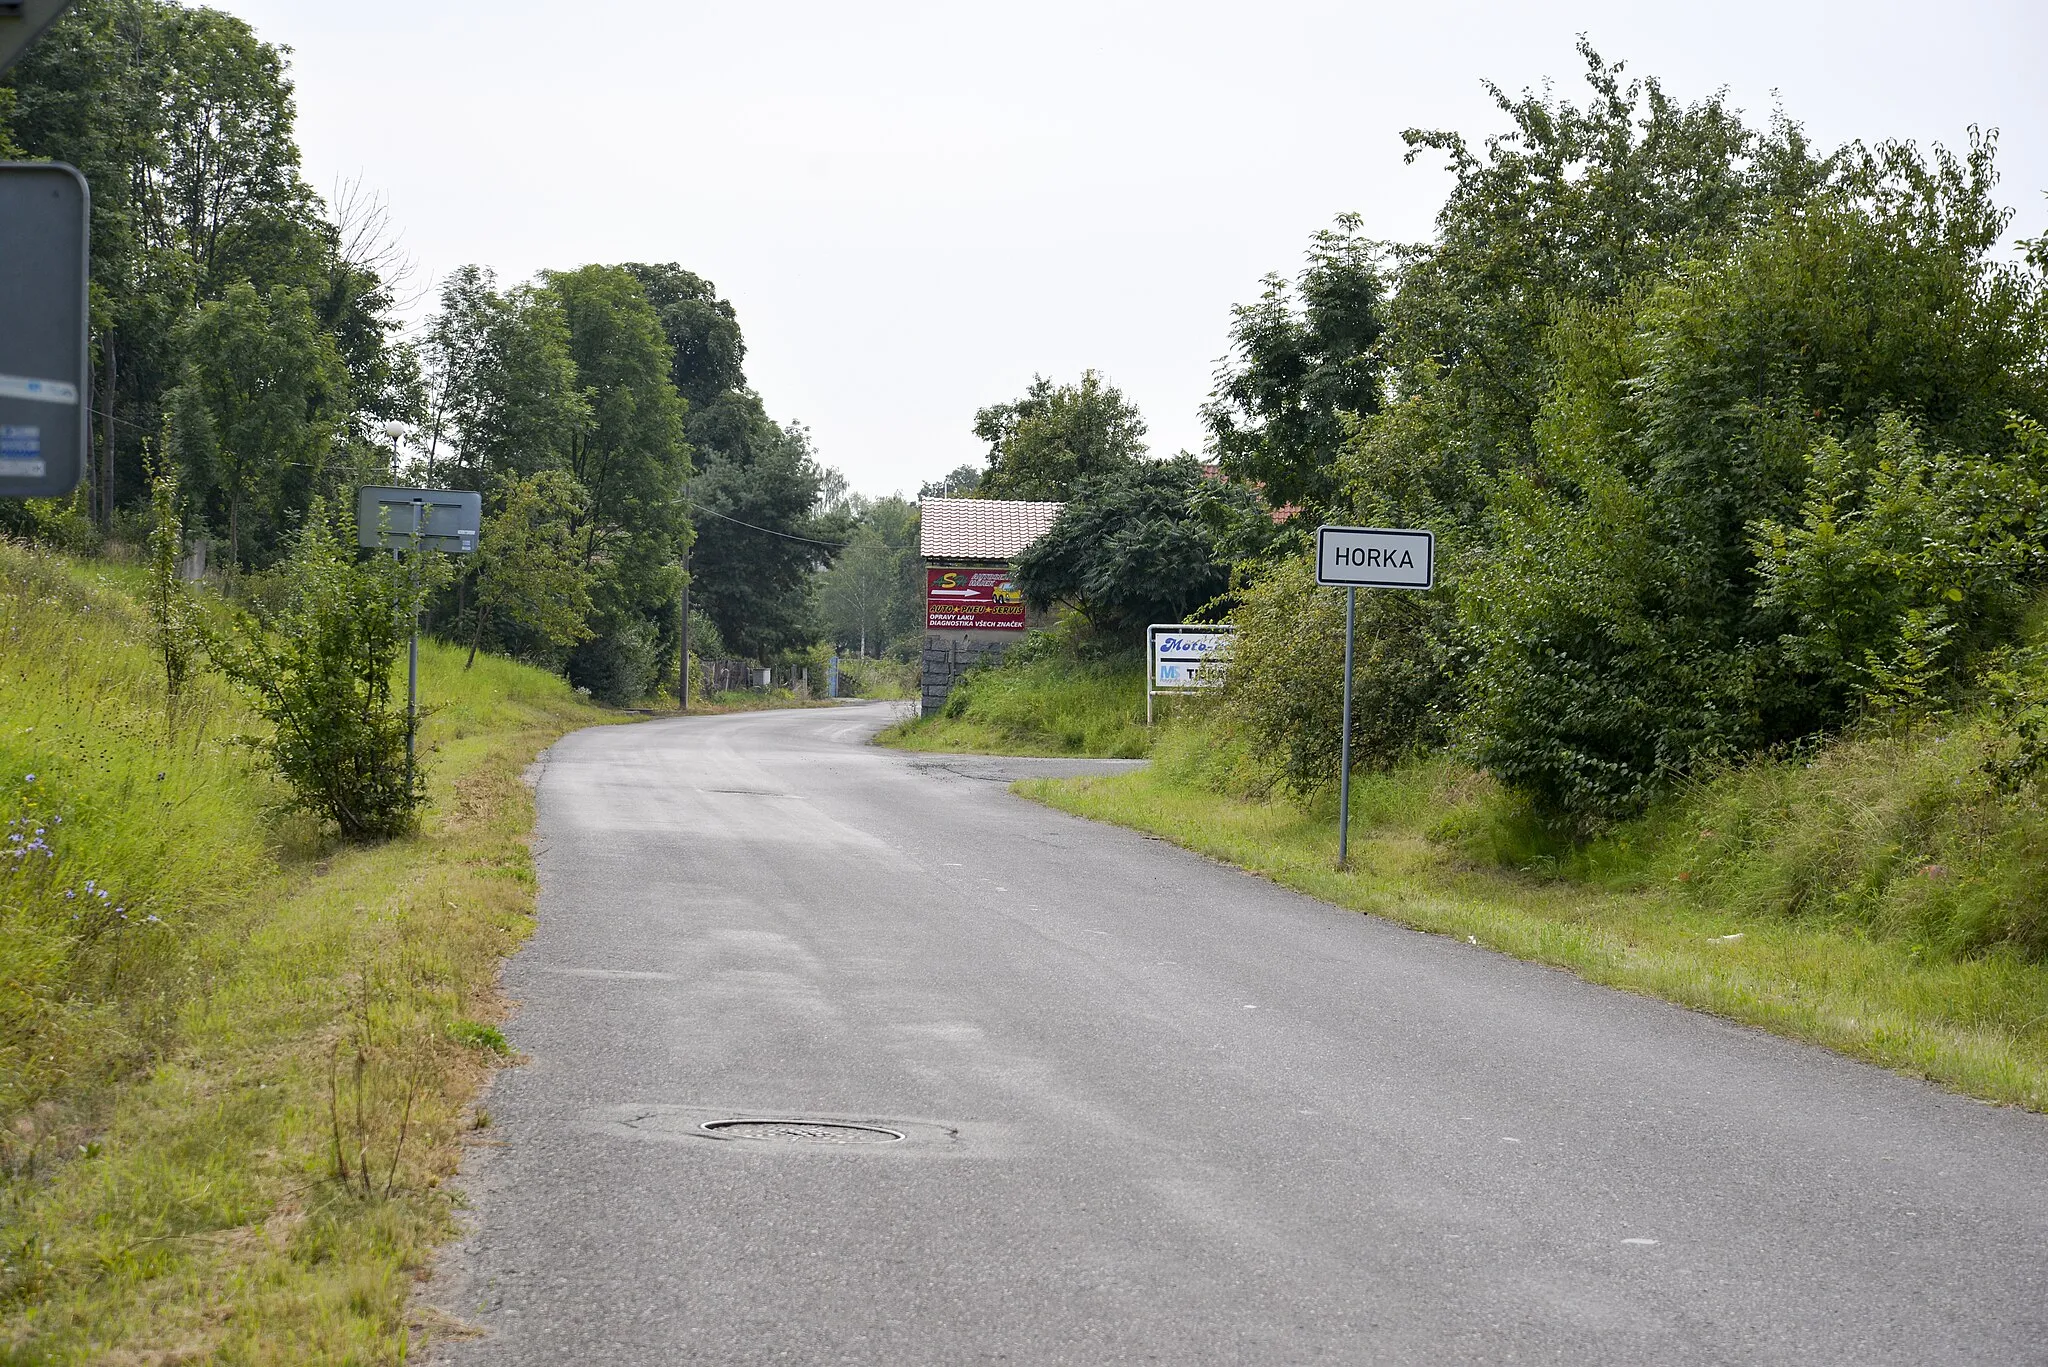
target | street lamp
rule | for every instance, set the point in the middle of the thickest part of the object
(393, 431)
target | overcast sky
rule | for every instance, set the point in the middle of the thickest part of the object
(917, 207)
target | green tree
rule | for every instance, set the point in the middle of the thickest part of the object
(760, 542)
(1573, 205)
(1621, 623)
(763, 533)
(503, 389)
(264, 393)
(872, 595)
(631, 461)
(319, 667)
(530, 575)
(1043, 445)
(182, 121)
(703, 330)
(1147, 542)
(1304, 363)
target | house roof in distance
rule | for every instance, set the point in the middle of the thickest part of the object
(982, 528)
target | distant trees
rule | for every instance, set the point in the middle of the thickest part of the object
(871, 597)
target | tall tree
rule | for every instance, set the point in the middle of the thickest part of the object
(1043, 445)
(503, 395)
(758, 543)
(263, 395)
(182, 121)
(759, 540)
(1304, 362)
(703, 329)
(631, 460)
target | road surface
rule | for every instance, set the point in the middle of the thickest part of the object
(1151, 1110)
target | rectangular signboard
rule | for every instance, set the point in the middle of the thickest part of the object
(1375, 558)
(971, 598)
(44, 385)
(393, 519)
(1187, 655)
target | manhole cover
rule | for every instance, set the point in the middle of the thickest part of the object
(802, 1131)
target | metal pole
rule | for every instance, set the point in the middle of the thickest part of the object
(683, 675)
(412, 657)
(1344, 744)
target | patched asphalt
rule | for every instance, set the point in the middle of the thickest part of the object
(1152, 1110)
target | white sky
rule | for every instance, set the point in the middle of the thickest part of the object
(916, 206)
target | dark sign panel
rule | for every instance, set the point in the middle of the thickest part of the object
(394, 519)
(965, 597)
(43, 313)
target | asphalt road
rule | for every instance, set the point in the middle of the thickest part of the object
(1153, 1110)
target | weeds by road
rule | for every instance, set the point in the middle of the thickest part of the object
(231, 1111)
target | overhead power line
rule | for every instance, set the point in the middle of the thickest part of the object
(786, 536)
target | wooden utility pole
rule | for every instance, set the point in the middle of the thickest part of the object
(683, 636)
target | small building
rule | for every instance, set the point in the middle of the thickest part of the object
(973, 612)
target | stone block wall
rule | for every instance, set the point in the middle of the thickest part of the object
(948, 655)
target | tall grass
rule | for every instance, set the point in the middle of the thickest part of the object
(127, 840)
(1052, 704)
(228, 1129)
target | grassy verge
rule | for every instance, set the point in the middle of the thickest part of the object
(1876, 899)
(1052, 705)
(253, 1086)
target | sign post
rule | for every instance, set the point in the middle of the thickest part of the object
(417, 520)
(1354, 558)
(21, 22)
(45, 385)
(1184, 657)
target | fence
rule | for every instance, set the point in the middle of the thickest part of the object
(744, 676)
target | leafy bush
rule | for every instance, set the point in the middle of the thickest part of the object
(1633, 620)
(619, 666)
(319, 666)
(1905, 562)
(1146, 542)
(1285, 689)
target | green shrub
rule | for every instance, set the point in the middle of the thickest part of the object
(620, 664)
(319, 666)
(1905, 562)
(1285, 689)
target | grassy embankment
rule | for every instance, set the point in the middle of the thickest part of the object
(1044, 706)
(189, 1065)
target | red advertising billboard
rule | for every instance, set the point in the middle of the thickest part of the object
(968, 598)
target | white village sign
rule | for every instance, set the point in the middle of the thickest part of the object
(1354, 558)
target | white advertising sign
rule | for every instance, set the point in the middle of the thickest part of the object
(1187, 655)
(1375, 558)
